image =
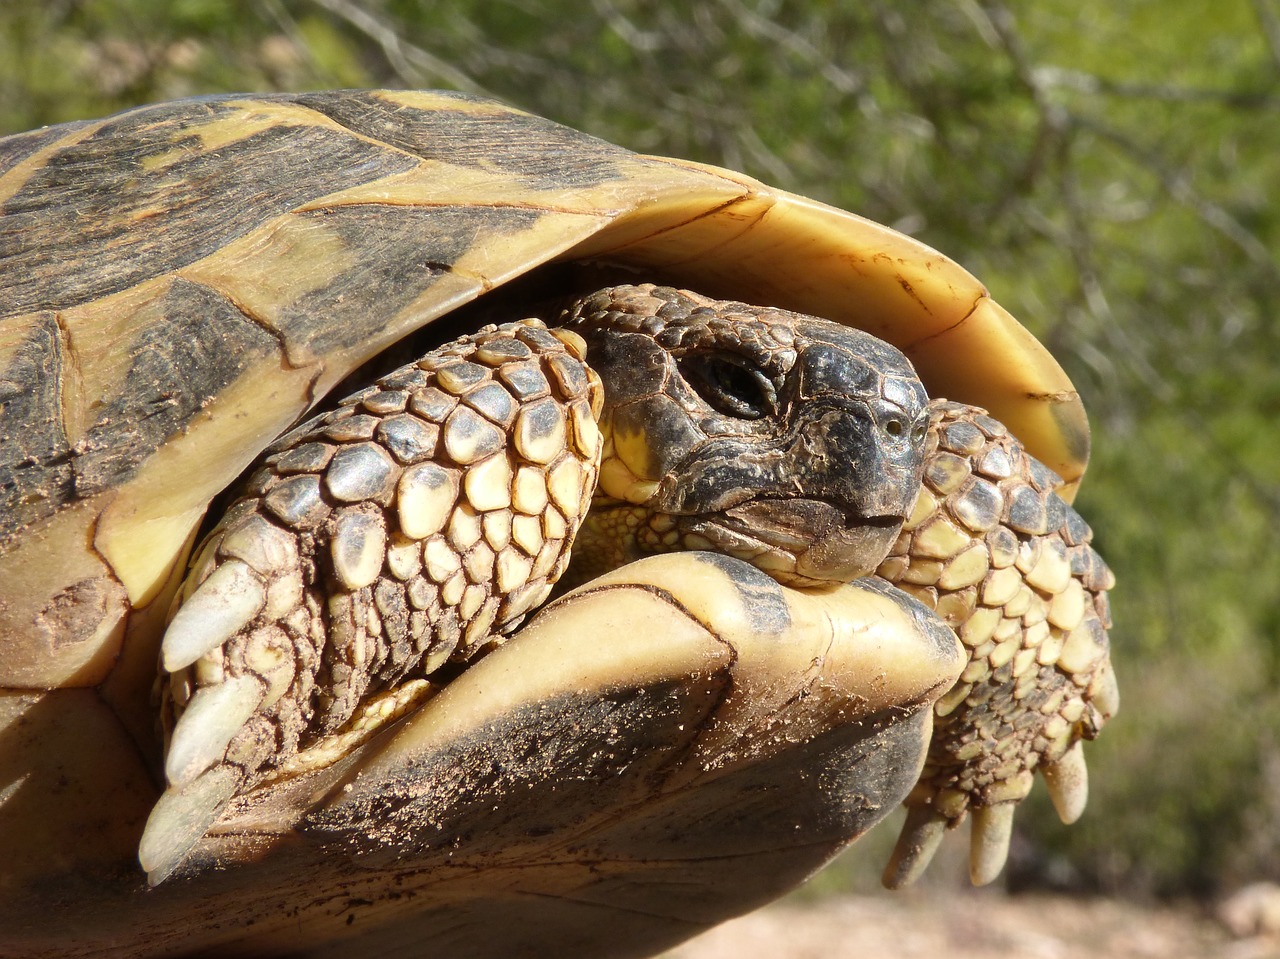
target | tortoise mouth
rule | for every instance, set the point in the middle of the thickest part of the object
(802, 540)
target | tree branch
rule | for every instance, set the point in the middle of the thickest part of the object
(411, 63)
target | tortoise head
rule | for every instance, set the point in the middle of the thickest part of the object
(790, 442)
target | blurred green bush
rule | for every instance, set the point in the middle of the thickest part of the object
(1109, 169)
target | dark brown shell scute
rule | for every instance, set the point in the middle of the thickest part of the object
(142, 196)
(395, 254)
(36, 468)
(539, 153)
(17, 147)
(198, 345)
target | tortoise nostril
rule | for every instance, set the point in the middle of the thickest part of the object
(893, 427)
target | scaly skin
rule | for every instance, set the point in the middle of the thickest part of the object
(989, 545)
(416, 525)
(412, 527)
(1005, 562)
(788, 442)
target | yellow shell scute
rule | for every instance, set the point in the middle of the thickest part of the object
(63, 615)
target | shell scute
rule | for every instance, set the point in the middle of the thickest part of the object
(471, 132)
(36, 468)
(112, 382)
(144, 195)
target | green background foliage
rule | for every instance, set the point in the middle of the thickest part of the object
(1108, 168)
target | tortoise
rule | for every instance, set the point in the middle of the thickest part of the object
(681, 737)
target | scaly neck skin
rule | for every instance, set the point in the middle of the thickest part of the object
(616, 533)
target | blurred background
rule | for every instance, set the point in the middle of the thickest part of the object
(1109, 168)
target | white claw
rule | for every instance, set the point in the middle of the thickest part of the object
(223, 604)
(989, 841)
(180, 817)
(1104, 693)
(212, 717)
(1068, 783)
(917, 842)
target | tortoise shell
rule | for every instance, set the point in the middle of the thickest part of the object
(182, 282)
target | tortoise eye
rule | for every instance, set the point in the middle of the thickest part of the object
(730, 386)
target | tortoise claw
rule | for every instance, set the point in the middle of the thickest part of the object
(180, 817)
(201, 783)
(212, 718)
(223, 605)
(1068, 783)
(1104, 692)
(917, 842)
(989, 841)
(1007, 563)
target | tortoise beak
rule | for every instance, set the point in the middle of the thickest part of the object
(825, 506)
(828, 543)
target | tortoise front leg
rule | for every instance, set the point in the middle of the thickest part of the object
(674, 744)
(1008, 564)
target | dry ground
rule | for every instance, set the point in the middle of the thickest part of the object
(978, 925)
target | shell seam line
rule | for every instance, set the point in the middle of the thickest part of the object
(726, 857)
(318, 205)
(670, 599)
(291, 364)
(911, 292)
(69, 377)
(612, 907)
(92, 538)
(754, 222)
(915, 344)
(144, 759)
(694, 219)
(335, 124)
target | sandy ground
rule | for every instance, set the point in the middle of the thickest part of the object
(975, 926)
